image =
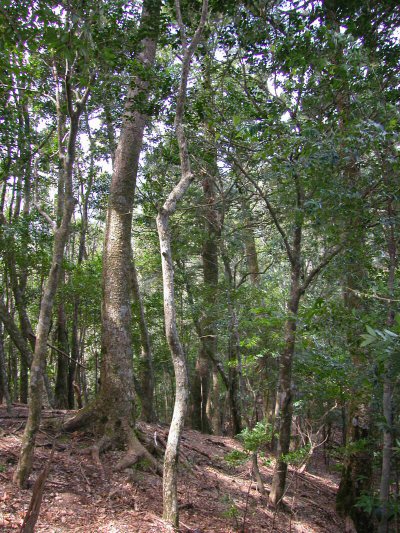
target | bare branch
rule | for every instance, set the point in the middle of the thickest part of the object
(186, 172)
(247, 274)
(324, 262)
(180, 24)
(47, 217)
(270, 209)
(68, 92)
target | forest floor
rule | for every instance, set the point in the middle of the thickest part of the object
(82, 496)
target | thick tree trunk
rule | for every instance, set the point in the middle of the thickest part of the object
(199, 393)
(357, 470)
(233, 388)
(250, 244)
(116, 398)
(114, 406)
(75, 355)
(214, 404)
(208, 338)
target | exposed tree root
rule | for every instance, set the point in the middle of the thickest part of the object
(83, 418)
(115, 432)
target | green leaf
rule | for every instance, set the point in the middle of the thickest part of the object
(368, 339)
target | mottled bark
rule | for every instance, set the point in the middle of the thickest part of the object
(114, 406)
(170, 477)
(61, 232)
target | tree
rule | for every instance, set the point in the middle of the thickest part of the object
(170, 491)
(114, 406)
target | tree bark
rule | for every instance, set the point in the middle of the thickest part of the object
(387, 452)
(145, 371)
(284, 401)
(3, 373)
(114, 406)
(61, 232)
(61, 389)
(170, 477)
(234, 398)
(208, 338)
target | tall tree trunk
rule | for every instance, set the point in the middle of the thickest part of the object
(250, 244)
(75, 349)
(387, 452)
(284, 400)
(170, 477)
(61, 232)
(208, 338)
(234, 398)
(114, 406)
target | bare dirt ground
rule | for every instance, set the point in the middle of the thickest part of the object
(81, 496)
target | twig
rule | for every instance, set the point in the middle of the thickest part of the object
(61, 352)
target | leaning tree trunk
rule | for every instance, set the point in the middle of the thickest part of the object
(61, 232)
(170, 479)
(114, 406)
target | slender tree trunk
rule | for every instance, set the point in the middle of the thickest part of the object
(284, 401)
(170, 477)
(61, 389)
(387, 452)
(3, 373)
(61, 232)
(145, 371)
(170, 496)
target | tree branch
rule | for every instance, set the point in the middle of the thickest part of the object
(324, 262)
(271, 210)
(46, 216)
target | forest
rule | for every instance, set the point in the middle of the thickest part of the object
(199, 240)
